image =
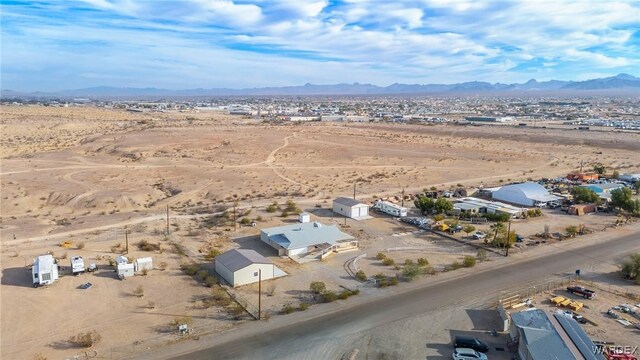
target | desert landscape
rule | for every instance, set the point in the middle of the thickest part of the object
(104, 180)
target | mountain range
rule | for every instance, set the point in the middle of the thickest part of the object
(621, 82)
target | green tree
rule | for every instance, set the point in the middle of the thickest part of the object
(424, 204)
(599, 168)
(616, 174)
(630, 267)
(584, 195)
(496, 228)
(443, 206)
(622, 198)
(636, 187)
(468, 229)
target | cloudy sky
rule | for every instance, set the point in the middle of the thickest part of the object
(52, 45)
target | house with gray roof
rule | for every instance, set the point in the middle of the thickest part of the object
(543, 337)
(244, 266)
(304, 238)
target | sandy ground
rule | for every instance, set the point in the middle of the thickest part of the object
(84, 174)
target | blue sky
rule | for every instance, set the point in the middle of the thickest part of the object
(54, 45)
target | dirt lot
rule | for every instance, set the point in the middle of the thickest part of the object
(84, 174)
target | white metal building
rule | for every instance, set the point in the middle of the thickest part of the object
(525, 194)
(243, 266)
(351, 208)
(44, 271)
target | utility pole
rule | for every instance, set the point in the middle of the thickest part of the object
(167, 219)
(402, 197)
(354, 191)
(259, 293)
(126, 239)
(508, 237)
(235, 223)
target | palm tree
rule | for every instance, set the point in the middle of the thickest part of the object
(496, 228)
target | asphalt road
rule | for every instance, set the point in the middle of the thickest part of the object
(331, 335)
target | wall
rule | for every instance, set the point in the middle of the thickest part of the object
(246, 275)
(224, 272)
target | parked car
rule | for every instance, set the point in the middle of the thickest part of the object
(519, 238)
(455, 229)
(468, 354)
(479, 235)
(611, 313)
(580, 319)
(470, 343)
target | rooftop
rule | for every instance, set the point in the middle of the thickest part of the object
(305, 234)
(347, 201)
(237, 259)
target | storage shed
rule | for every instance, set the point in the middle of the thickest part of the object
(243, 266)
(525, 194)
(145, 263)
(351, 208)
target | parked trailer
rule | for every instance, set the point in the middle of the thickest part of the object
(390, 208)
(77, 265)
(44, 271)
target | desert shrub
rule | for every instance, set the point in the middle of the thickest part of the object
(393, 281)
(211, 280)
(273, 207)
(144, 245)
(383, 282)
(287, 309)
(388, 261)
(453, 266)
(236, 310)
(151, 305)
(317, 287)
(64, 256)
(412, 271)
(482, 255)
(139, 291)
(203, 274)
(303, 306)
(80, 246)
(408, 262)
(360, 275)
(423, 262)
(469, 261)
(429, 270)
(355, 292)
(438, 217)
(381, 256)
(212, 254)
(145, 272)
(245, 221)
(39, 356)
(86, 340)
(181, 320)
(284, 213)
(163, 265)
(329, 296)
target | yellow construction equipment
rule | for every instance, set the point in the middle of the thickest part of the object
(557, 300)
(66, 244)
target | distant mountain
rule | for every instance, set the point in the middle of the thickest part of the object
(623, 82)
(620, 81)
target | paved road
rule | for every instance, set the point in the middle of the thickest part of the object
(332, 335)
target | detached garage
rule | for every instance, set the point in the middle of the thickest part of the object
(351, 208)
(242, 266)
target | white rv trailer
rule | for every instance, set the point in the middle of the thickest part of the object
(44, 271)
(77, 265)
(390, 208)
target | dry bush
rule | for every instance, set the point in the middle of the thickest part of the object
(80, 246)
(271, 288)
(144, 245)
(163, 265)
(86, 340)
(139, 291)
